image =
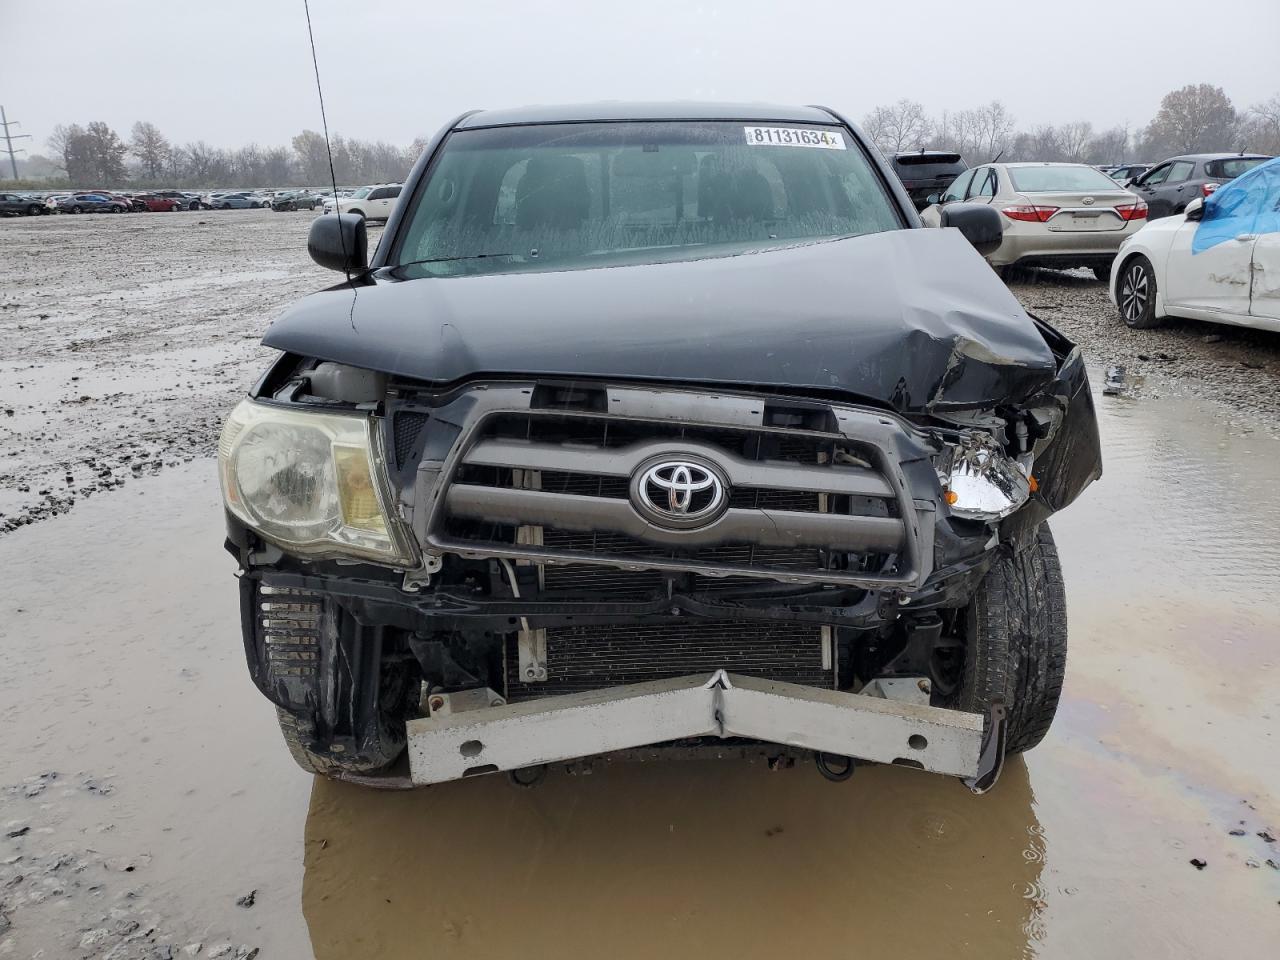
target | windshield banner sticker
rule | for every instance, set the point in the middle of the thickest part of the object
(792, 137)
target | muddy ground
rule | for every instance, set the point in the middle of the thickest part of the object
(147, 805)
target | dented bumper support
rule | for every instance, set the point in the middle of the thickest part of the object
(558, 729)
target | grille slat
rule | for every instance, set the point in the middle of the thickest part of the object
(802, 505)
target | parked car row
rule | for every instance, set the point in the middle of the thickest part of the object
(1209, 262)
(374, 202)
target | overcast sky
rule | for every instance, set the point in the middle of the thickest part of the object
(239, 71)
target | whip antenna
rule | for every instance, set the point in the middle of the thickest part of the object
(324, 122)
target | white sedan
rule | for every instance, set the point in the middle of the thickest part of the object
(1219, 261)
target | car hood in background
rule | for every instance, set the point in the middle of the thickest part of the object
(910, 318)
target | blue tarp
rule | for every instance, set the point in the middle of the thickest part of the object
(1249, 204)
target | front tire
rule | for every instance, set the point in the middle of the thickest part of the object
(33, 210)
(1016, 642)
(1137, 294)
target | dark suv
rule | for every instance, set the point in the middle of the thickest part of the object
(656, 427)
(927, 172)
(1169, 186)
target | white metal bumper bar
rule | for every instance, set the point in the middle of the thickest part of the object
(557, 729)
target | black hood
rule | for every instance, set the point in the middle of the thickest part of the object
(910, 318)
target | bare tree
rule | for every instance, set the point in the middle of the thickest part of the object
(149, 146)
(898, 127)
(1109, 146)
(1075, 137)
(59, 141)
(1261, 129)
(312, 158)
(1195, 119)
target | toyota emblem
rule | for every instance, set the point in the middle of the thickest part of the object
(1087, 201)
(681, 494)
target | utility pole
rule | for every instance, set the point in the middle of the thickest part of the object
(5, 124)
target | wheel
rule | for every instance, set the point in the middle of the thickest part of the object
(116, 208)
(255, 205)
(1137, 294)
(291, 207)
(33, 210)
(194, 205)
(174, 208)
(1103, 273)
(77, 209)
(1015, 631)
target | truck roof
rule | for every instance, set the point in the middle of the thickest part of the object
(622, 110)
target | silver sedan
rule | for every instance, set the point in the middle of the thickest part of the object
(1059, 215)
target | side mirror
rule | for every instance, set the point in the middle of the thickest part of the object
(339, 241)
(1195, 209)
(979, 223)
(933, 198)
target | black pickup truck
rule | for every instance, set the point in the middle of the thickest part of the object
(656, 427)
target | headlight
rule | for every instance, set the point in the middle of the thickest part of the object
(981, 482)
(313, 483)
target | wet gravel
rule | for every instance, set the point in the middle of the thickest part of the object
(125, 339)
(1234, 368)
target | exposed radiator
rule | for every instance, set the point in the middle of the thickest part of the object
(589, 658)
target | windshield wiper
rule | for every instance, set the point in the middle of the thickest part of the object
(467, 256)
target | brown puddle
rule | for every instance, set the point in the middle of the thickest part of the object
(119, 633)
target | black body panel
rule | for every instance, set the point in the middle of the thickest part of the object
(911, 319)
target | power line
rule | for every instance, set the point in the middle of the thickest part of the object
(5, 124)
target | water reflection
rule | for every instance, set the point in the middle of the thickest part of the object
(708, 859)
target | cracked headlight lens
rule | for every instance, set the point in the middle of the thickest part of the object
(981, 482)
(312, 483)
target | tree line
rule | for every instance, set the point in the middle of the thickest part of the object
(95, 155)
(1198, 118)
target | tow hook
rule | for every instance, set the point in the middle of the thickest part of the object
(527, 777)
(991, 759)
(833, 767)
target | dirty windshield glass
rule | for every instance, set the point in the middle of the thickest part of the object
(566, 196)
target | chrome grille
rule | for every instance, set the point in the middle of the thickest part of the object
(803, 506)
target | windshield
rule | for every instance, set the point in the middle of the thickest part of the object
(1054, 179)
(578, 195)
(362, 193)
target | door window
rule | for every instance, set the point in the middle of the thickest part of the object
(958, 187)
(984, 183)
(1157, 176)
(1180, 170)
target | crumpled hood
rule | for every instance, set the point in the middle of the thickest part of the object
(911, 318)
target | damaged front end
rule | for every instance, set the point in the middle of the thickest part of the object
(507, 572)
